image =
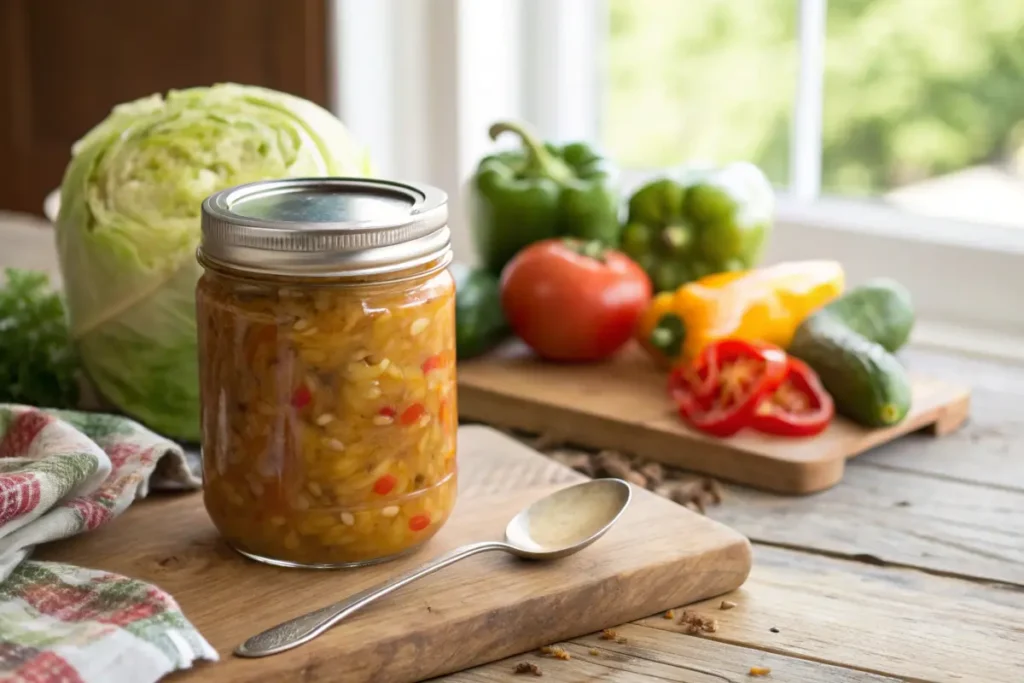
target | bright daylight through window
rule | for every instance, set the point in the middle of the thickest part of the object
(892, 130)
(922, 107)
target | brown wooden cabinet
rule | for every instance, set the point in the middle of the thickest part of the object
(65, 63)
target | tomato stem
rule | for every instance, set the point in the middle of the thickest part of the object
(590, 248)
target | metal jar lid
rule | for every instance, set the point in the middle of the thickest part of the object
(325, 227)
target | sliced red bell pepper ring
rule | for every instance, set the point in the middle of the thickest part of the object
(699, 380)
(800, 406)
(696, 381)
(720, 393)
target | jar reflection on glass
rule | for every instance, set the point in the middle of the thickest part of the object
(329, 407)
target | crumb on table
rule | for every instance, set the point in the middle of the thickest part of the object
(670, 614)
(694, 623)
(727, 604)
(595, 652)
(528, 668)
(609, 634)
(759, 671)
(556, 652)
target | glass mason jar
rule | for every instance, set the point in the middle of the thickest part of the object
(326, 323)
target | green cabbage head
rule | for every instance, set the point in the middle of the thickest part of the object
(129, 220)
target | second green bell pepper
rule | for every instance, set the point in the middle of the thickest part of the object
(522, 196)
(699, 222)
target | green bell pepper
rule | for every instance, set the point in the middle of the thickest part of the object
(699, 222)
(540, 191)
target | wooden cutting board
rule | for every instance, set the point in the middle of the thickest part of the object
(487, 607)
(621, 405)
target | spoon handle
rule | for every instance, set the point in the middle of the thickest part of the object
(305, 628)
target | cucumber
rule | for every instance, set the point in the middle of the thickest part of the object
(849, 343)
(880, 310)
(479, 322)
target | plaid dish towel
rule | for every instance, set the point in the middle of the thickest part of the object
(63, 473)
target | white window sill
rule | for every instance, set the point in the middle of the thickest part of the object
(964, 278)
(976, 342)
(876, 219)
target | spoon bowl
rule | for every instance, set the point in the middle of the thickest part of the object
(556, 526)
(568, 520)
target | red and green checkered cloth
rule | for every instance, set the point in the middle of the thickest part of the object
(63, 473)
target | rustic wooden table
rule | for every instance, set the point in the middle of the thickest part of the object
(911, 569)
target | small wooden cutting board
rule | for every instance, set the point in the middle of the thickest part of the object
(659, 555)
(621, 404)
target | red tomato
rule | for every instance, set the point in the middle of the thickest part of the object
(572, 301)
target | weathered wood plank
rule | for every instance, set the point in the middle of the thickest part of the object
(897, 517)
(656, 655)
(989, 448)
(900, 622)
(986, 450)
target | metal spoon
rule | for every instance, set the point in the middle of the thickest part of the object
(553, 527)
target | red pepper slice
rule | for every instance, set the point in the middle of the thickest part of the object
(384, 485)
(411, 414)
(694, 384)
(302, 397)
(419, 522)
(800, 406)
(386, 411)
(721, 391)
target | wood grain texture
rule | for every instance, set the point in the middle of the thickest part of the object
(484, 608)
(899, 622)
(64, 65)
(987, 450)
(881, 515)
(651, 654)
(621, 405)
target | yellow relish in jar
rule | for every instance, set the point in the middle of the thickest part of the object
(327, 369)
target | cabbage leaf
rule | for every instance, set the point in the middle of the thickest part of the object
(129, 222)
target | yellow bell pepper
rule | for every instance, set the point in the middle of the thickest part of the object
(764, 304)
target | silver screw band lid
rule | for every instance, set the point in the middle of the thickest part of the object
(327, 227)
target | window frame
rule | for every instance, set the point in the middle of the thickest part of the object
(421, 80)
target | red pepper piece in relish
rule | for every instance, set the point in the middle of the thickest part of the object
(419, 522)
(384, 485)
(302, 397)
(433, 363)
(412, 413)
(386, 411)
